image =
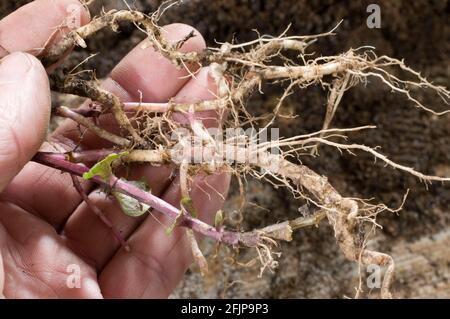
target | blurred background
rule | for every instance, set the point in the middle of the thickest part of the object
(312, 266)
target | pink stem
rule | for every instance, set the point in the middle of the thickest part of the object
(60, 161)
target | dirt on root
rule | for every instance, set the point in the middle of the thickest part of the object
(312, 266)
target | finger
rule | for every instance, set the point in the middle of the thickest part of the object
(159, 259)
(38, 23)
(24, 112)
(83, 230)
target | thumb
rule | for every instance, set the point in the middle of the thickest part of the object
(24, 112)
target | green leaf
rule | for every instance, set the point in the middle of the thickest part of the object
(103, 168)
(218, 219)
(188, 205)
(131, 206)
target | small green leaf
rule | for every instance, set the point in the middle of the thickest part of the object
(170, 229)
(218, 219)
(131, 206)
(103, 168)
(188, 205)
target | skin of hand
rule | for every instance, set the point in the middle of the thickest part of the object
(51, 244)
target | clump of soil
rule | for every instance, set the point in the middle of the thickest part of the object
(312, 265)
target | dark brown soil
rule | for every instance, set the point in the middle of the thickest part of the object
(419, 32)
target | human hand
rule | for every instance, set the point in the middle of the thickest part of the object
(48, 234)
